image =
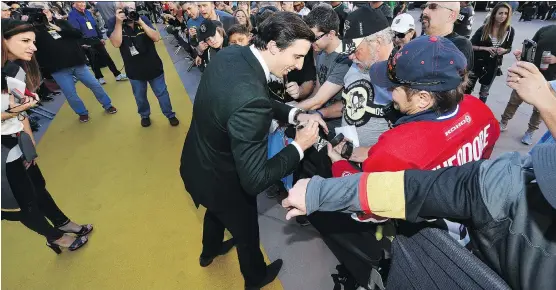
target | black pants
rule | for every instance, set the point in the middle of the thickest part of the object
(35, 202)
(353, 243)
(242, 222)
(99, 57)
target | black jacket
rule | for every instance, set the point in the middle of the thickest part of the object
(56, 54)
(224, 158)
(486, 66)
(512, 226)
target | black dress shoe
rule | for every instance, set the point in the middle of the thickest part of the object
(174, 121)
(272, 271)
(226, 247)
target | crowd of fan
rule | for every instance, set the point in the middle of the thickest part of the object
(360, 77)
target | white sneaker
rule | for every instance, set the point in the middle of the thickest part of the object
(101, 81)
(121, 77)
(503, 126)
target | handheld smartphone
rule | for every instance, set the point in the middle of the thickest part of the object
(529, 50)
(17, 95)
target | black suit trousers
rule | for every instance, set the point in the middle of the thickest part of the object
(242, 222)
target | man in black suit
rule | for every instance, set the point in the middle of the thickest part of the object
(224, 160)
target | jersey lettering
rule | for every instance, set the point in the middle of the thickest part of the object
(470, 151)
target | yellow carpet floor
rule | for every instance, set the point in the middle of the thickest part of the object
(124, 179)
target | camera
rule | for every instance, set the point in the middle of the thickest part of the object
(529, 50)
(334, 140)
(131, 14)
(35, 16)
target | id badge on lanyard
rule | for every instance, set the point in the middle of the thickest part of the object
(54, 34)
(133, 50)
(89, 25)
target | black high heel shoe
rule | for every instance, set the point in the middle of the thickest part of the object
(85, 230)
(76, 245)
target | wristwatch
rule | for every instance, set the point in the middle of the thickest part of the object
(296, 114)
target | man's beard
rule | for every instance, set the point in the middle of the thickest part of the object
(426, 25)
(364, 68)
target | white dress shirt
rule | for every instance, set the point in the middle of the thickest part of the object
(259, 57)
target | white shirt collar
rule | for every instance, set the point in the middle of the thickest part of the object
(259, 57)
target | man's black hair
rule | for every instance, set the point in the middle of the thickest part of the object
(284, 28)
(323, 18)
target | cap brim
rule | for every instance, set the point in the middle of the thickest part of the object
(544, 165)
(379, 75)
(352, 49)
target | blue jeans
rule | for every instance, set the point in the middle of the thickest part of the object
(158, 85)
(64, 79)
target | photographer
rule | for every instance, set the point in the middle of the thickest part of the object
(135, 37)
(24, 194)
(83, 20)
(60, 54)
(545, 42)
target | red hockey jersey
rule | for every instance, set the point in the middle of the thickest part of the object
(464, 135)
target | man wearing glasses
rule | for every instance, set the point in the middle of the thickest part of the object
(330, 64)
(438, 20)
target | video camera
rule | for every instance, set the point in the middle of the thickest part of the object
(131, 14)
(35, 16)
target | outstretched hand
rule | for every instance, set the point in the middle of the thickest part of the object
(295, 202)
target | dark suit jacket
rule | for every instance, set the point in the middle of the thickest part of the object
(224, 158)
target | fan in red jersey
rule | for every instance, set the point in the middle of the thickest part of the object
(441, 126)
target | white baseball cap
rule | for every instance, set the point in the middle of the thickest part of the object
(403, 23)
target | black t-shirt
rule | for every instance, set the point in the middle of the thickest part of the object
(307, 73)
(464, 45)
(57, 50)
(464, 23)
(146, 65)
(546, 41)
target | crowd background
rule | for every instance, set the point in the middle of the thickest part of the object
(165, 11)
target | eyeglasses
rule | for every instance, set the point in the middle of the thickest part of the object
(434, 6)
(320, 36)
(391, 73)
(400, 35)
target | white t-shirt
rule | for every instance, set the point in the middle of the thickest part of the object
(13, 125)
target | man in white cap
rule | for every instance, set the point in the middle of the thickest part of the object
(6, 12)
(404, 29)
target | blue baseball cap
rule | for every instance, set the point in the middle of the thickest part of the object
(427, 63)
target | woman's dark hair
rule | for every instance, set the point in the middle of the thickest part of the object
(284, 28)
(487, 29)
(238, 28)
(11, 27)
(444, 101)
(249, 24)
(323, 18)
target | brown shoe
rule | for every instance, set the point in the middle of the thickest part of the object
(83, 118)
(111, 110)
